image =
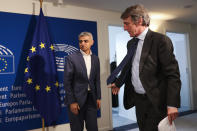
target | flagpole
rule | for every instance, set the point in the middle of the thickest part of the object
(40, 38)
(43, 126)
(41, 3)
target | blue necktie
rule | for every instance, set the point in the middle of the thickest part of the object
(126, 59)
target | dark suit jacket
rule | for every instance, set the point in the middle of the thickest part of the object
(76, 80)
(158, 71)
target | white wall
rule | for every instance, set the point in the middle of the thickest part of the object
(179, 41)
(103, 19)
(191, 30)
(112, 41)
(193, 54)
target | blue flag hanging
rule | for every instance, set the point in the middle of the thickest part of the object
(40, 83)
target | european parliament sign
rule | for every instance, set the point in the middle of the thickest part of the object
(6, 61)
(16, 111)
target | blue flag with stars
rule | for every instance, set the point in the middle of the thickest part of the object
(40, 83)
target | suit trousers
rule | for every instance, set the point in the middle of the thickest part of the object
(147, 117)
(87, 113)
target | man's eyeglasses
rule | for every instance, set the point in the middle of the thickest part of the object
(86, 41)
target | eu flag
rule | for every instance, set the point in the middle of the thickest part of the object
(40, 83)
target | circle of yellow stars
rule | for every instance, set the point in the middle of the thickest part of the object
(42, 46)
(29, 80)
(4, 63)
(37, 87)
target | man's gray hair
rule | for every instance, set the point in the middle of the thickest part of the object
(86, 34)
(136, 12)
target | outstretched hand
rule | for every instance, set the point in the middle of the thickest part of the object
(115, 89)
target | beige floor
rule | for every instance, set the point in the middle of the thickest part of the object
(184, 123)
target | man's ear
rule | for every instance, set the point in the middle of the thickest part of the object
(140, 21)
(92, 42)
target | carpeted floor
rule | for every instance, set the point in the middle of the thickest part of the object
(186, 122)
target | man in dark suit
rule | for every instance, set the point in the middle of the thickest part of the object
(82, 85)
(151, 77)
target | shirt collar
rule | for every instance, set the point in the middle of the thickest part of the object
(143, 34)
(84, 54)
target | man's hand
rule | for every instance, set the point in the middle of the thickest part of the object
(74, 107)
(115, 89)
(98, 104)
(172, 114)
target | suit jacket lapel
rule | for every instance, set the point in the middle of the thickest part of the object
(92, 66)
(82, 62)
(145, 49)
